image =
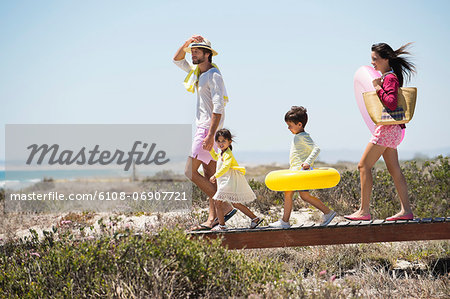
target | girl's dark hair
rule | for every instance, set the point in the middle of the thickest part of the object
(204, 50)
(226, 134)
(297, 115)
(402, 66)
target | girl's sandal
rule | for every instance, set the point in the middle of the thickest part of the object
(255, 222)
(219, 228)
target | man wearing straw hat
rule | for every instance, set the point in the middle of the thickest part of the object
(205, 77)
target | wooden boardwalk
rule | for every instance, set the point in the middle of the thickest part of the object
(347, 232)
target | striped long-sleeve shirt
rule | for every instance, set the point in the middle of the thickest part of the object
(303, 150)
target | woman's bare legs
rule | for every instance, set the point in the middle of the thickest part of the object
(390, 156)
(370, 156)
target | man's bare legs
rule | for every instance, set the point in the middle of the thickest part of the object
(219, 209)
(191, 171)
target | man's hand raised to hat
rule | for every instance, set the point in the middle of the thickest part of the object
(195, 39)
(180, 54)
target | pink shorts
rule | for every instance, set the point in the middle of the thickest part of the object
(197, 146)
(387, 135)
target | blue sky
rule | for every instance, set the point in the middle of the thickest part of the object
(110, 62)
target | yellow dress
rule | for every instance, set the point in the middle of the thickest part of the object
(232, 186)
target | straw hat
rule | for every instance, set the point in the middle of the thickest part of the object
(204, 44)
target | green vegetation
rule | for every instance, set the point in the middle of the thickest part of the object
(167, 264)
(170, 264)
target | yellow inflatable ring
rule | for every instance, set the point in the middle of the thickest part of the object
(292, 180)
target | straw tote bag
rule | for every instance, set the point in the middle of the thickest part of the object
(382, 115)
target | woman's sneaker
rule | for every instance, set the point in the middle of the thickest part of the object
(326, 218)
(280, 224)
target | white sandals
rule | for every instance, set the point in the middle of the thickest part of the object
(219, 228)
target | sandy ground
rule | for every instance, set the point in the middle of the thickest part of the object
(19, 226)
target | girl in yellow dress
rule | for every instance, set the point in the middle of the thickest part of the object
(232, 186)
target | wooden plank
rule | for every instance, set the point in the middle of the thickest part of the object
(331, 235)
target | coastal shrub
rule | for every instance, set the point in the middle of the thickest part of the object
(429, 186)
(169, 264)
